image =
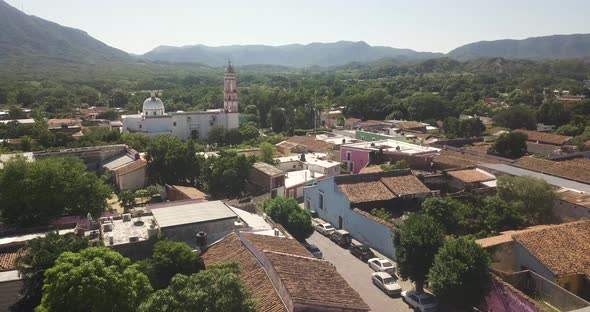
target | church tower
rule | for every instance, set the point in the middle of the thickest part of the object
(230, 89)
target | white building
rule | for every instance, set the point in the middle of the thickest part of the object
(153, 120)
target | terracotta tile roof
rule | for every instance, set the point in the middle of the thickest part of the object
(138, 164)
(367, 191)
(372, 123)
(279, 244)
(64, 121)
(456, 159)
(405, 185)
(190, 192)
(575, 169)
(564, 249)
(252, 274)
(576, 198)
(371, 169)
(507, 236)
(315, 282)
(8, 257)
(543, 137)
(471, 175)
(410, 125)
(312, 144)
(379, 186)
(372, 217)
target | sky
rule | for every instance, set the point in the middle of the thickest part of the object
(137, 26)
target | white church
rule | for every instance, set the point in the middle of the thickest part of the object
(153, 120)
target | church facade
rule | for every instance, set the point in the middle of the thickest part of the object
(153, 119)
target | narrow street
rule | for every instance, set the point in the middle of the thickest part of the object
(358, 275)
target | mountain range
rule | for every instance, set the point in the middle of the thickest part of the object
(31, 40)
(25, 37)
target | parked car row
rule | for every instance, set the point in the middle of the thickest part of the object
(385, 277)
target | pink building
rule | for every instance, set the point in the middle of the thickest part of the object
(356, 156)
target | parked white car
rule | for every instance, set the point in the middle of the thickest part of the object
(382, 265)
(325, 228)
(422, 302)
(387, 283)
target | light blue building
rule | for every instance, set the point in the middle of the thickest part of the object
(346, 202)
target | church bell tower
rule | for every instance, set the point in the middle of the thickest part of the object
(230, 90)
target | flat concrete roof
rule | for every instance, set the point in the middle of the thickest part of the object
(189, 212)
(267, 169)
(293, 178)
(393, 146)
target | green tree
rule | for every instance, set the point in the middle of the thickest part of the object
(227, 174)
(416, 242)
(509, 145)
(42, 134)
(33, 193)
(137, 141)
(216, 135)
(516, 117)
(127, 198)
(38, 255)
(233, 136)
(249, 132)
(83, 281)
(443, 210)
(459, 275)
(553, 113)
(287, 212)
(533, 198)
(400, 164)
(170, 258)
(218, 288)
(266, 153)
(426, 106)
(171, 160)
(382, 214)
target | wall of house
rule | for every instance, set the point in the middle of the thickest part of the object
(502, 297)
(503, 257)
(9, 293)
(133, 180)
(336, 206)
(359, 158)
(523, 260)
(568, 212)
(187, 233)
(259, 178)
(573, 283)
(415, 162)
(290, 166)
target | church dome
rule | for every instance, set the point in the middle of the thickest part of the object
(153, 106)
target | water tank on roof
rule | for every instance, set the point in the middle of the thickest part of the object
(202, 240)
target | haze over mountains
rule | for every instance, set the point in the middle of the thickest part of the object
(297, 55)
(25, 38)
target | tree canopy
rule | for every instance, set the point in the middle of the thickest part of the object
(34, 193)
(517, 117)
(509, 145)
(459, 275)
(533, 198)
(416, 242)
(170, 258)
(216, 289)
(94, 279)
(38, 255)
(287, 212)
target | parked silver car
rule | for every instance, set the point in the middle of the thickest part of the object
(387, 283)
(325, 228)
(381, 265)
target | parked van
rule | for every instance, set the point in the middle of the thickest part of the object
(341, 237)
